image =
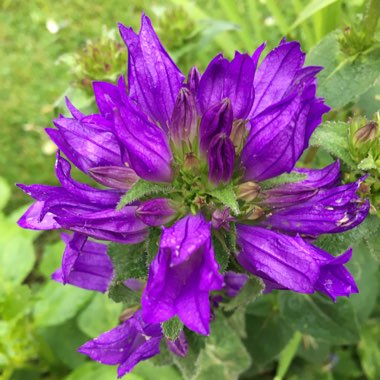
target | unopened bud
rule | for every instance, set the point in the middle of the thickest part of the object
(116, 177)
(255, 213)
(191, 161)
(193, 79)
(156, 212)
(238, 133)
(368, 133)
(217, 119)
(183, 123)
(248, 191)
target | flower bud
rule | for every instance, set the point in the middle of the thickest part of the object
(248, 191)
(217, 119)
(221, 159)
(193, 79)
(156, 212)
(183, 124)
(116, 177)
(238, 133)
(255, 213)
(179, 346)
(368, 133)
(191, 161)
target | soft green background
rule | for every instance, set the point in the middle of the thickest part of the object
(42, 323)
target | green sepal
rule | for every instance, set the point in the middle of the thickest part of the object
(172, 328)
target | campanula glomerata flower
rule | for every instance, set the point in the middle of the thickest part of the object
(211, 142)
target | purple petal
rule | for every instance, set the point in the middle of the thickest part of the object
(107, 97)
(85, 264)
(279, 135)
(211, 84)
(182, 275)
(275, 74)
(31, 219)
(234, 282)
(76, 114)
(154, 79)
(193, 80)
(125, 345)
(145, 146)
(238, 84)
(221, 159)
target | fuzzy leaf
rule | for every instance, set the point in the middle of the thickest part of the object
(344, 77)
(227, 196)
(333, 137)
(152, 244)
(369, 349)
(317, 316)
(129, 261)
(140, 189)
(172, 328)
(224, 356)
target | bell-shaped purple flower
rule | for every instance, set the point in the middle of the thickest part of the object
(153, 78)
(217, 119)
(116, 177)
(329, 211)
(183, 123)
(144, 145)
(221, 159)
(182, 276)
(84, 264)
(287, 262)
(126, 345)
(156, 212)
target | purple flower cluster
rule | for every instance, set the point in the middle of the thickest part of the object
(232, 128)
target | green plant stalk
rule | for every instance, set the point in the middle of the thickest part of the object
(308, 34)
(278, 15)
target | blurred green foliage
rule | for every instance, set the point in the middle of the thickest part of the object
(50, 49)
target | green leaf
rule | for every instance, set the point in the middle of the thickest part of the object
(251, 290)
(367, 163)
(287, 355)
(52, 258)
(58, 303)
(118, 292)
(64, 341)
(343, 78)
(129, 261)
(282, 179)
(222, 252)
(319, 317)
(5, 193)
(369, 349)
(267, 335)
(140, 189)
(100, 315)
(227, 196)
(172, 328)
(224, 356)
(152, 244)
(17, 256)
(333, 137)
(149, 371)
(311, 9)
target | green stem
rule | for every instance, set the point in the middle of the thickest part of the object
(371, 18)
